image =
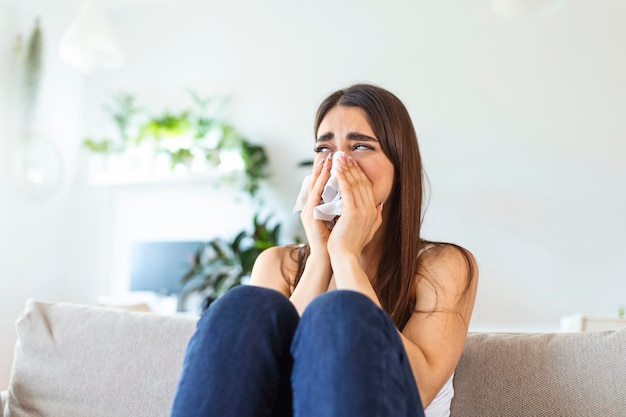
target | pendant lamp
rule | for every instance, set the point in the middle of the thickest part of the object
(89, 43)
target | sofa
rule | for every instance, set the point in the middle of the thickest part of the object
(87, 361)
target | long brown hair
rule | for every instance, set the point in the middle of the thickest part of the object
(390, 121)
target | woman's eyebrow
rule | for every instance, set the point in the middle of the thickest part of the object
(361, 137)
(351, 136)
(325, 137)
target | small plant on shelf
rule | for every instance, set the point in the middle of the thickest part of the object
(189, 138)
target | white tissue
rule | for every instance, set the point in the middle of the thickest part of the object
(330, 205)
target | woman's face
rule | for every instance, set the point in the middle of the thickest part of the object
(347, 129)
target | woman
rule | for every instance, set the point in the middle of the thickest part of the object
(386, 343)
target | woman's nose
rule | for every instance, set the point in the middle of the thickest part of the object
(343, 149)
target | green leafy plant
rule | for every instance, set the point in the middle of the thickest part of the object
(33, 70)
(103, 146)
(167, 125)
(220, 264)
(254, 158)
(198, 132)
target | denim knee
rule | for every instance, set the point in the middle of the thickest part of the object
(345, 317)
(248, 305)
(345, 349)
(239, 351)
(341, 307)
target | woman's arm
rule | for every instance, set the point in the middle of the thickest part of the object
(314, 281)
(361, 218)
(435, 334)
(267, 270)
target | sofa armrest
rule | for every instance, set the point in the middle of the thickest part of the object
(76, 360)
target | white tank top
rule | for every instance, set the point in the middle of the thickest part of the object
(440, 406)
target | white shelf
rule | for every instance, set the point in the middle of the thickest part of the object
(138, 178)
(147, 168)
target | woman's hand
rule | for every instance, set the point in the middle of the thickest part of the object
(317, 270)
(361, 215)
(316, 231)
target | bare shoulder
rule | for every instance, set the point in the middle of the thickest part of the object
(445, 291)
(448, 269)
(275, 268)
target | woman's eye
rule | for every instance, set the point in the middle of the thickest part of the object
(361, 146)
(319, 149)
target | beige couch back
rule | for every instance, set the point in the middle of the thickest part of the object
(556, 375)
(83, 361)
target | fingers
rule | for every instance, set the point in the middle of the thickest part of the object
(316, 231)
(356, 187)
(361, 214)
(321, 173)
(358, 195)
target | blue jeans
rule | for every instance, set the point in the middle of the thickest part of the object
(252, 355)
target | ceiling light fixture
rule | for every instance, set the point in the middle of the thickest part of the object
(89, 43)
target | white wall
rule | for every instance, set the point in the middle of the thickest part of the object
(520, 124)
(32, 229)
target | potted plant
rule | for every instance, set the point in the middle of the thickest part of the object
(220, 264)
(194, 134)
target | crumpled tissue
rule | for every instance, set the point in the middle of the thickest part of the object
(330, 206)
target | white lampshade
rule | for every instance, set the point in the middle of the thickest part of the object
(89, 43)
(527, 8)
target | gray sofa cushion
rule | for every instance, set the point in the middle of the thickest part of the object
(84, 361)
(556, 375)
(75, 361)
